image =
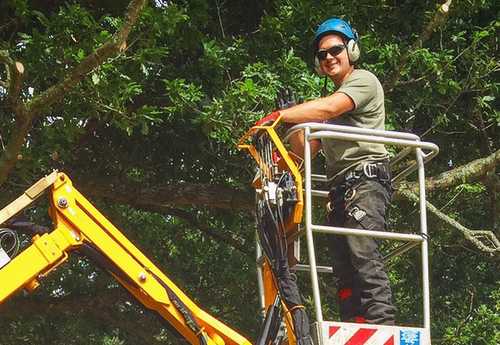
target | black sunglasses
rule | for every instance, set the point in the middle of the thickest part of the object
(333, 51)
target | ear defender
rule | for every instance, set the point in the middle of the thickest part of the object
(353, 51)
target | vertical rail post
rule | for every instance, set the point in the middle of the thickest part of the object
(425, 247)
(309, 231)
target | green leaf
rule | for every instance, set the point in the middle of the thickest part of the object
(95, 78)
(41, 18)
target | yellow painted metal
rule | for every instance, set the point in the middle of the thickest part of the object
(290, 163)
(77, 221)
(45, 254)
(245, 144)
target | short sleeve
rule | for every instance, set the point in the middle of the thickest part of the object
(360, 87)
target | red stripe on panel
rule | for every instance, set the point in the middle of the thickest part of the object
(361, 336)
(332, 330)
(390, 341)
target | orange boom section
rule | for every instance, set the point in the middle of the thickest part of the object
(79, 226)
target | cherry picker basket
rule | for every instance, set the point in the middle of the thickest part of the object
(273, 161)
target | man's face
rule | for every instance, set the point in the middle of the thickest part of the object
(336, 66)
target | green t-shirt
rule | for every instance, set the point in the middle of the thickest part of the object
(367, 94)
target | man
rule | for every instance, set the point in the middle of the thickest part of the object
(358, 172)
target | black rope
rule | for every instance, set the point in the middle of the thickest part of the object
(184, 310)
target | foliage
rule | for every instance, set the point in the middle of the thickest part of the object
(169, 110)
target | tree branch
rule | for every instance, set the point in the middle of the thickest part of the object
(471, 171)
(233, 240)
(438, 20)
(28, 112)
(468, 172)
(218, 5)
(115, 45)
(475, 236)
(14, 71)
(163, 197)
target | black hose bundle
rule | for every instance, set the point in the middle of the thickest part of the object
(271, 230)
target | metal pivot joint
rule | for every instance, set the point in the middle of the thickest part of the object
(62, 202)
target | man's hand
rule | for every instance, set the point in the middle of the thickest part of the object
(268, 119)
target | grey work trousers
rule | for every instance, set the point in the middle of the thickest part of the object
(363, 285)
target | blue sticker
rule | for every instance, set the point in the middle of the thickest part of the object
(409, 337)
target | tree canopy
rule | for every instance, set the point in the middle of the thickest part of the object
(142, 103)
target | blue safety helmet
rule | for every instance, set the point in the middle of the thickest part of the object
(334, 25)
(339, 26)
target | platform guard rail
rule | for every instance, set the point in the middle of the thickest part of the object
(410, 143)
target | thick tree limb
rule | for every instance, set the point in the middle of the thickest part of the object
(469, 172)
(438, 20)
(167, 199)
(27, 113)
(162, 198)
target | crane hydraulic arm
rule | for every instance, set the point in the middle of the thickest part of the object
(79, 226)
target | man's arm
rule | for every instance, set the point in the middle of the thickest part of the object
(296, 141)
(318, 110)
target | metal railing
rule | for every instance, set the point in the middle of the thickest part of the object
(410, 143)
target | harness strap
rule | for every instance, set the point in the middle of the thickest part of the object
(370, 170)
